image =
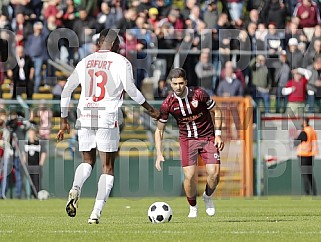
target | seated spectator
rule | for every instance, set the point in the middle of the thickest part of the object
(57, 90)
(211, 13)
(296, 91)
(237, 72)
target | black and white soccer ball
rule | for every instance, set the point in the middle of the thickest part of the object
(160, 212)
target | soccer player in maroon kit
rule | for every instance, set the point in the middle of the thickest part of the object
(199, 122)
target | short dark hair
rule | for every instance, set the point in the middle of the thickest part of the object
(307, 120)
(108, 35)
(177, 73)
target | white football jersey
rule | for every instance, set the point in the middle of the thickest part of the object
(103, 76)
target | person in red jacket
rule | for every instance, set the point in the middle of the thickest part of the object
(296, 91)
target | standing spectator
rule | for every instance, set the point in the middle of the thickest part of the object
(306, 151)
(253, 17)
(106, 18)
(162, 7)
(22, 74)
(211, 13)
(296, 91)
(36, 48)
(84, 27)
(261, 81)
(309, 16)
(127, 22)
(35, 155)
(153, 18)
(21, 28)
(274, 11)
(312, 53)
(317, 34)
(314, 86)
(230, 85)
(189, 4)
(70, 12)
(45, 116)
(282, 75)
(292, 31)
(53, 9)
(205, 72)
(235, 8)
(176, 23)
(294, 55)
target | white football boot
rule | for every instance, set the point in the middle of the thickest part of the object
(192, 212)
(210, 209)
(94, 218)
(72, 203)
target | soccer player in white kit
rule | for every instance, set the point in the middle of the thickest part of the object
(103, 76)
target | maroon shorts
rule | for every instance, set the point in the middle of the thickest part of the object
(191, 148)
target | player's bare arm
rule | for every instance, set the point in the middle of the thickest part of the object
(154, 113)
(216, 115)
(159, 132)
(64, 127)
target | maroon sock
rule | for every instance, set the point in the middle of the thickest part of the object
(209, 191)
(191, 201)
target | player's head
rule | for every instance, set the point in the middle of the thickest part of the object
(177, 77)
(108, 40)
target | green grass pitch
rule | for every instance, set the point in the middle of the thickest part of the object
(125, 219)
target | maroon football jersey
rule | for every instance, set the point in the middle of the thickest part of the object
(191, 113)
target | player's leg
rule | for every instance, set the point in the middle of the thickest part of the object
(189, 154)
(107, 144)
(211, 158)
(190, 187)
(82, 173)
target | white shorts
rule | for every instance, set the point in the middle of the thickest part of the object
(105, 140)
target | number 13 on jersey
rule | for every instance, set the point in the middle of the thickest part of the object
(98, 79)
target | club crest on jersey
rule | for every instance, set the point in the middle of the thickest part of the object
(194, 103)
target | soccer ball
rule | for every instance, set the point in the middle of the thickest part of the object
(43, 195)
(160, 212)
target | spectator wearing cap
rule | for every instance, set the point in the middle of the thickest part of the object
(211, 13)
(35, 48)
(153, 18)
(314, 86)
(106, 19)
(294, 55)
(282, 75)
(296, 90)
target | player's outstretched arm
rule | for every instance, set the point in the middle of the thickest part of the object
(158, 145)
(216, 115)
(154, 113)
(64, 126)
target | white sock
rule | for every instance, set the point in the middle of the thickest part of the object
(105, 184)
(83, 171)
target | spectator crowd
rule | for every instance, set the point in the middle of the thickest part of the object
(228, 47)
